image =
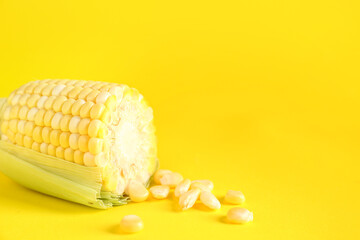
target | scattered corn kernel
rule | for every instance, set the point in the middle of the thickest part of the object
(203, 185)
(159, 173)
(160, 191)
(234, 197)
(137, 191)
(131, 224)
(182, 187)
(239, 215)
(171, 179)
(209, 200)
(188, 199)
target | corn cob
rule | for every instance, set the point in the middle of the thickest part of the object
(92, 135)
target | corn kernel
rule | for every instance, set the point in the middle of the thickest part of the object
(49, 102)
(21, 126)
(182, 187)
(65, 122)
(188, 199)
(19, 139)
(234, 197)
(64, 139)
(35, 146)
(74, 124)
(39, 117)
(55, 122)
(28, 141)
(23, 99)
(159, 174)
(13, 125)
(57, 89)
(96, 111)
(51, 150)
(74, 141)
(14, 112)
(75, 110)
(31, 114)
(32, 101)
(160, 191)
(85, 109)
(137, 191)
(171, 179)
(60, 152)
(37, 132)
(83, 143)
(95, 145)
(239, 215)
(58, 103)
(89, 160)
(79, 157)
(23, 112)
(92, 96)
(69, 154)
(131, 224)
(29, 128)
(55, 137)
(49, 114)
(44, 148)
(203, 185)
(66, 107)
(209, 200)
(84, 125)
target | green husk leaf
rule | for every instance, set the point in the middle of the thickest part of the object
(56, 177)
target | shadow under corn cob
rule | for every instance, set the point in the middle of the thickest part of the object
(82, 141)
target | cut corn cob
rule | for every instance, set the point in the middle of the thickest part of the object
(82, 125)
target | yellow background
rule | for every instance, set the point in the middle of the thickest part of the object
(261, 96)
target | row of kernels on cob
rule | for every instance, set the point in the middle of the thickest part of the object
(66, 119)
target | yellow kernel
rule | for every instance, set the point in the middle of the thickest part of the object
(41, 102)
(30, 87)
(89, 160)
(32, 101)
(14, 112)
(6, 114)
(75, 110)
(89, 84)
(37, 134)
(102, 97)
(13, 125)
(94, 128)
(84, 125)
(15, 99)
(83, 143)
(38, 89)
(23, 99)
(160, 191)
(49, 102)
(64, 139)
(131, 224)
(92, 96)
(57, 89)
(39, 117)
(55, 122)
(69, 154)
(209, 200)
(74, 141)
(83, 94)
(171, 179)
(44, 148)
(35, 146)
(58, 103)
(85, 109)
(49, 114)
(4, 126)
(60, 152)
(45, 134)
(234, 197)
(29, 128)
(182, 187)
(79, 157)
(11, 135)
(66, 90)
(74, 124)
(106, 116)
(159, 173)
(111, 103)
(97, 110)
(46, 91)
(55, 137)
(95, 145)
(51, 150)
(117, 91)
(66, 107)
(21, 126)
(203, 185)
(31, 114)
(75, 92)
(137, 191)
(65, 122)
(188, 199)
(23, 112)
(239, 215)
(28, 142)
(19, 139)
(79, 83)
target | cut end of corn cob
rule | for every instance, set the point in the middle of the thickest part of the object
(95, 124)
